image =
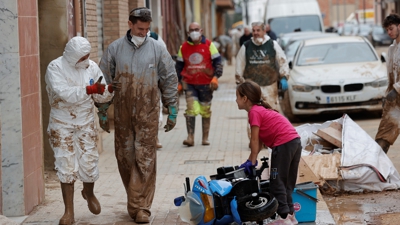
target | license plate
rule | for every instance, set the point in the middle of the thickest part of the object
(340, 99)
(387, 42)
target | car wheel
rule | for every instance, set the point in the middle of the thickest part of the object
(257, 206)
(287, 109)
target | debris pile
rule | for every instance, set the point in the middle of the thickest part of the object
(340, 156)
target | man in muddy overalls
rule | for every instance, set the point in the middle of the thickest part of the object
(262, 60)
(198, 66)
(72, 90)
(388, 130)
(141, 71)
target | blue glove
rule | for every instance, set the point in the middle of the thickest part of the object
(171, 121)
(284, 84)
(248, 166)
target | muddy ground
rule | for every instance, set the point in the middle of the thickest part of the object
(373, 208)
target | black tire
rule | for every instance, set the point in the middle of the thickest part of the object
(249, 211)
(287, 109)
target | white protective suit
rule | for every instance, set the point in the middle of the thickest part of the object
(72, 129)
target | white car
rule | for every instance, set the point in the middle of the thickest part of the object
(335, 74)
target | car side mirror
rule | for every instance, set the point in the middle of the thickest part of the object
(383, 57)
(290, 65)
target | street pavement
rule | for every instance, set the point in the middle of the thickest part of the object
(229, 147)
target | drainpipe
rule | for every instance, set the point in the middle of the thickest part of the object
(77, 12)
(213, 21)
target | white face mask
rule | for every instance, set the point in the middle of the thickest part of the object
(138, 41)
(195, 35)
(259, 40)
(83, 65)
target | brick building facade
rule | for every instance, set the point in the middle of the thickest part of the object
(337, 11)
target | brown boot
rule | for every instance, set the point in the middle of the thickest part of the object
(206, 130)
(142, 217)
(68, 197)
(190, 126)
(384, 145)
(88, 195)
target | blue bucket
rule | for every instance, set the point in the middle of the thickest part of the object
(305, 201)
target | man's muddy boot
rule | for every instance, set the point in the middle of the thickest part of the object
(190, 125)
(384, 145)
(142, 217)
(68, 197)
(88, 195)
(206, 130)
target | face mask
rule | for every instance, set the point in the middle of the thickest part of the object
(138, 41)
(195, 35)
(259, 40)
(82, 65)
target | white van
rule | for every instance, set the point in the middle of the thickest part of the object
(285, 16)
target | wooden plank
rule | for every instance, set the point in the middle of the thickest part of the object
(317, 140)
(325, 167)
(336, 125)
(331, 135)
(305, 174)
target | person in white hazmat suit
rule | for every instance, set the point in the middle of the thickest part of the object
(74, 83)
(141, 71)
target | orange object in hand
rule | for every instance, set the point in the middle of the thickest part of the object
(214, 84)
(96, 88)
(110, 88)
(180, 88)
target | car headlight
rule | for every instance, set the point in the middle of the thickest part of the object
(377, 83)
(303, 88)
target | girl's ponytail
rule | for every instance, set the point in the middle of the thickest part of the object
(266, 105)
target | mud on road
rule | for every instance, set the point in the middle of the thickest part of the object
(369, 208)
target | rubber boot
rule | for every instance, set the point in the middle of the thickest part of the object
(142, 217)
(88, 195)
(68, 197)
(190, 125)
(384, 145)
(206, 129)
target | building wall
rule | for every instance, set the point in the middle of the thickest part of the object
(31, 103)
(91, 28)
(335, 11)
(1, 183)
(135, 4)
(53, 36)
(10, 106)
(115, 23)
(21, 149)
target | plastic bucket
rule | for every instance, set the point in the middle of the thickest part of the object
(305, 201)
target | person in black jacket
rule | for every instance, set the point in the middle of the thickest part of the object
(269, 32)
(246, 36)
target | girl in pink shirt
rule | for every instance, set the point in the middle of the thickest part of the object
(275, 131)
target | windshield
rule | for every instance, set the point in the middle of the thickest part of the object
(291, 49)
(281, 25)
(335, 53)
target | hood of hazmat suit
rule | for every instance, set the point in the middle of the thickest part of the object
(66, 85)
